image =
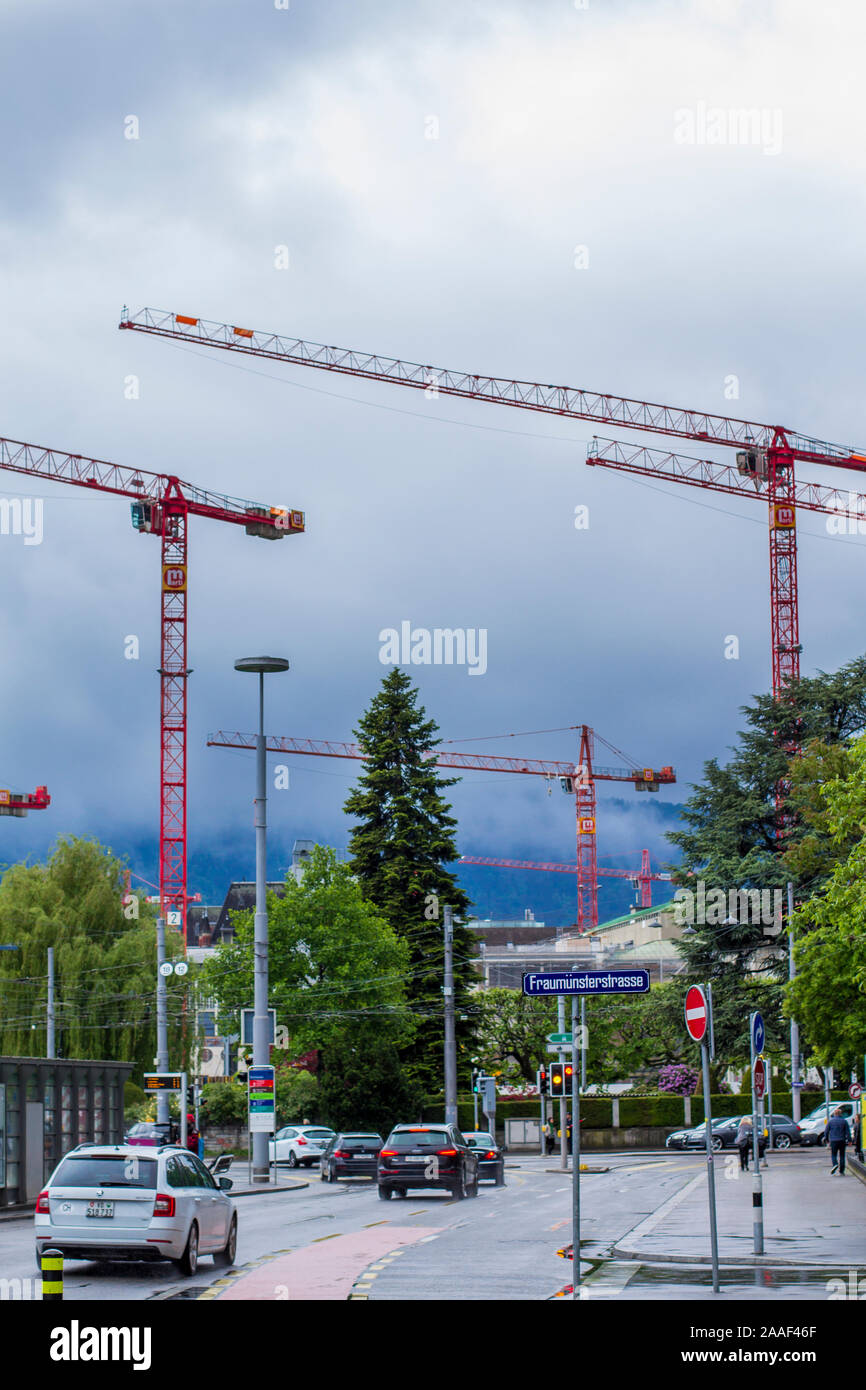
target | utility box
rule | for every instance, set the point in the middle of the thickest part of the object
(522, 1134)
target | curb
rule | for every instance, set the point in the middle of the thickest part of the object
(291, 1186)
(361, 1286)
(208, 1292)
(729, 1261)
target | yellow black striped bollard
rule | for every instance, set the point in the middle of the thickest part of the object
(52, 1276)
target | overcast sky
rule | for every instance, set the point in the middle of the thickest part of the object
(506, 188)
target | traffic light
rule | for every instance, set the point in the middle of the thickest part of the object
(541, 1081)
(561, 1074)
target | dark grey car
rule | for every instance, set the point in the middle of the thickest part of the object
(433, 1156)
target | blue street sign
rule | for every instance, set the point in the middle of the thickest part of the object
(588, 982)
(758, 1036)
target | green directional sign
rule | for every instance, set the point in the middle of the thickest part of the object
(563, 1038)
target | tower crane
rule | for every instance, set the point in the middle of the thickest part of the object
(161, 504)
(643, 879)
(766, 454)
(576, 780)
(19, 803)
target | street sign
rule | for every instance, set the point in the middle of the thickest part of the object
(247, 1026)
(696, 1013)
(261, 1100)
(855, 1090)
(760, 1078)
(588, 982)
(181, 967)
(166, 968)
(758, 1034)
(559, 1038)
(162, 1081)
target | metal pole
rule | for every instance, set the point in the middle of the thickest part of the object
(757, 1185)
(795, 1027)
(711, 1171)
(541, 1115)
(261, 1018)
(50, 1050)
(583, 1048)
(184, 1135)
(769, 1102)
(161, 1020)
(475, 1109)
(575, 1153)
(563, 1136)
(450, 1041)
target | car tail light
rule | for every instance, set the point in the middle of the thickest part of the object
(447, 1153)
(42, 1205)
(387, 1153)
(340, 1153)
(491, 1154)
(164, 1205)
(300, 1140)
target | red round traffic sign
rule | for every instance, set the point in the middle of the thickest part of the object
(696, 1013)
(855, 1090)
(760, 1078)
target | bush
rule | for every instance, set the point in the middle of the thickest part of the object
(223, 1103)
(677, 1080)
(297, 1096)
(132, 1095)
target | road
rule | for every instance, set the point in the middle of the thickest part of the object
(340, 1241)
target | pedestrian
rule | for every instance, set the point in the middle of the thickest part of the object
(838, 1135)
(744, 1142)
(858, 1137)
(191, 1134)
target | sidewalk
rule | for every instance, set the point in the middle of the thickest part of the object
(810, 1217)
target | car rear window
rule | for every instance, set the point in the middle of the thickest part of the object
(482, 1140)
(363, 1141)
(318, 1133)
(106, 1170)
(420, 1138)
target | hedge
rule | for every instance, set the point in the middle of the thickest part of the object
(655, 1111)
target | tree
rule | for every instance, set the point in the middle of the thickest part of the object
(512, 1033)
(334, 963)
(404, 836)
(828, 996)
(103, 962)
(731, 841)
(364, 1085)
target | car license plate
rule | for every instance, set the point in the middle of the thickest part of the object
(100, 1209)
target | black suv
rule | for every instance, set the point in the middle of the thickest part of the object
(434, 1156)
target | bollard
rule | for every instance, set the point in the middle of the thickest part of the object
(758, 1214)
(52, 1276)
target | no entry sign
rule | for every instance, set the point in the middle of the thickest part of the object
(696, 1013)
(760, 1078)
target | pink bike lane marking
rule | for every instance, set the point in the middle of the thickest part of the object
(326, 1269)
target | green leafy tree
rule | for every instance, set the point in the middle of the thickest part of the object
(403, 838)
(730, 840)
(104, 962)
(297, 1096)
(337, 975)
(512, 1033)
(365, 1086)
(828, 996)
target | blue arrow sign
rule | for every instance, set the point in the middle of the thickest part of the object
(758, 1035)
(588, 982)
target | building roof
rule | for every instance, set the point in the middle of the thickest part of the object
(641, 914)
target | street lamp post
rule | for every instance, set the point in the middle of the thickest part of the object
(261, 666)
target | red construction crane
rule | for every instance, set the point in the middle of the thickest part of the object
(767, 452)
(19, 803)
(161, 505)
(643, 879)
(575, 779)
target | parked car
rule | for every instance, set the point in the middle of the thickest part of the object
(491, 1158)
(153, 1132)
(677, 1140)
(813, 1126)
(300, 1146)
(113, 1202)
(696, 1138)
(785, 1132)
(351, 1156)
(429, 1156)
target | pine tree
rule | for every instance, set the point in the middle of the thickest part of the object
(404, 836)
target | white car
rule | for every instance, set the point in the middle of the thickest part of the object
(813, 1126)
(126, 1202)
(300, 1146)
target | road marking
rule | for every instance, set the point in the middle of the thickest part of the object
(556, 1225)
(563, 1189)
(332, 1236)
(370, 1224)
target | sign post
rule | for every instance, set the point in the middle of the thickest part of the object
(756, 1044)
(698, 1012)
(261, 1103)
(578, 983)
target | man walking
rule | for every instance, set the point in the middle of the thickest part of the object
(744, 1142)
(837, 1137)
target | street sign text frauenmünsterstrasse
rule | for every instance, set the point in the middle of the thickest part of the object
(588, 982)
